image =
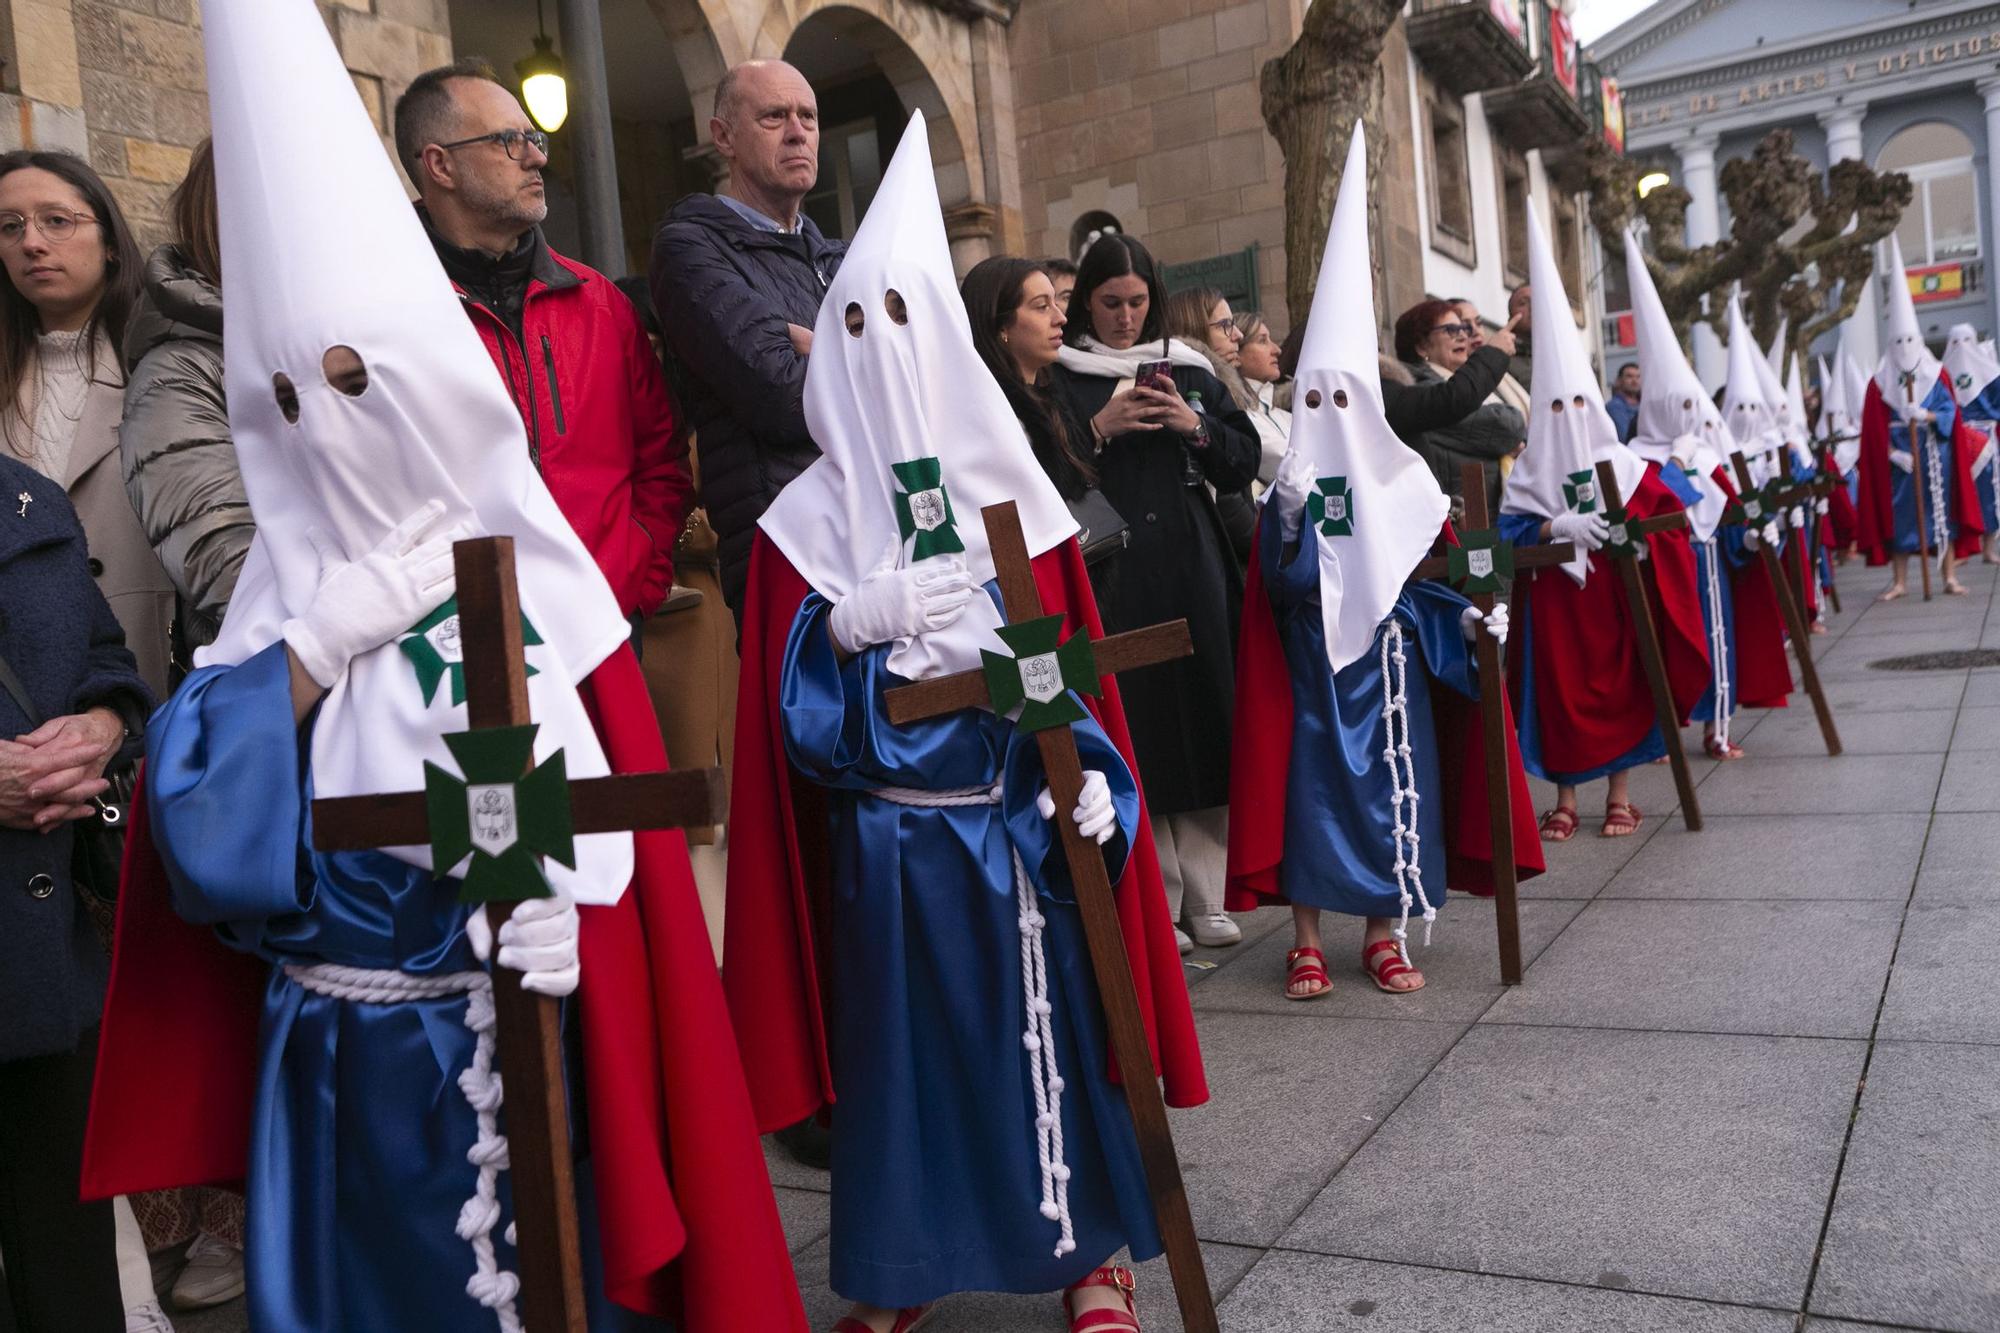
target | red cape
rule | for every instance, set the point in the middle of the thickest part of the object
(679, 1171)
(1841, 517)
(1763, 673)
(1875, 519)
(1260, 769)
(1592, 697)
(779, 878)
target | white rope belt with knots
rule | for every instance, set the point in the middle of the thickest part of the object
(1040, 1036)
(489, 1284)
(1934, 474)
(1718, 643)
(1403, 786)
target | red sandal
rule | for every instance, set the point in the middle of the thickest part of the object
(1721, 749)
(908, 1320)
(1621, 820)
(1383, 962)
(1558, 825)
(1307, 965)
(1104, 1321)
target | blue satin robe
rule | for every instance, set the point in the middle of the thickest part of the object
(1716, 559)
(1526, 530)
(1340, 850)
(936, 1178)
(1903, 488)
(357, 1157)
(1982, 412)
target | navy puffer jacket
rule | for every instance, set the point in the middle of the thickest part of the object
(724, 291)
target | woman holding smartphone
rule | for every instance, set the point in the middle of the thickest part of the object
(1163, 431)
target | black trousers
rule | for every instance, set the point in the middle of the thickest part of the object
(60, 1256)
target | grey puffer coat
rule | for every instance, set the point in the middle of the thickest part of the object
(179, 460)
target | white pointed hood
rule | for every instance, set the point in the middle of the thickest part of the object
(1750, 416)
(1382, 506)
(302, 181)
(1774, 355)
(1569, 431)
(1968, 363)
(1832, 403)
(1907, 369)
(1795, 409)
(1771, 376)
(1854, 381)
(1674, 407)
(907, 409)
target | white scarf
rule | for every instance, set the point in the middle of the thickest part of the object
(1122, 363)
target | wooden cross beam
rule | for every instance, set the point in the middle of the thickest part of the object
(1823, 485)
(1063, 767)
(1795, 622)
(1918, 480)
(1492, 711)
(1651, 656)
(530, 1025)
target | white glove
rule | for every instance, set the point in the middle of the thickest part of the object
(894, 603)
(1764, 536)
(1798, 516)
(1901, 458)
(539, 941)
(1495, 621)
(1295, 481)
(1588, 531)
(1095, 818)
(1822, 507)
(367, 602)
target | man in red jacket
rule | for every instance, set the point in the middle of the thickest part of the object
(566, 341)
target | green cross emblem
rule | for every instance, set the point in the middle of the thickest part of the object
(1483, 561)
(436, 650)
(501, 814)
(1580, 491)
(1331, 507)
(1622, 542)
(923, 509)
(1044, 668)
(1752, 506)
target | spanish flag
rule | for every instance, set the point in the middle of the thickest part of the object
(1939, 282)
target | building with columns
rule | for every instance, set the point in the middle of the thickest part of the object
(1912, 86)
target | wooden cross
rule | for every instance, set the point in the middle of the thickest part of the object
(1625, 556)
(1829, 477)
(1492, 711)
(1917, 482)
(1791, 492)
(1795, 619)
(1064, 770)
(530, 1025)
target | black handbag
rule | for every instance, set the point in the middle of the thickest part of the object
(98, 846)
(1101, 529)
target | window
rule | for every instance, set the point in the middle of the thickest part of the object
(1513, 169)
(850, 171)
(1448, 174)
(1941, 224)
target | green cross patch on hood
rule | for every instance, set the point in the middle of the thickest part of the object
(923, 508)
(436, 649)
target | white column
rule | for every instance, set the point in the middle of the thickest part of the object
(1990, 90)
(1704, 227)
(1843, 141)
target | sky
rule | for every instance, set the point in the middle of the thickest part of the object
(1594, 18)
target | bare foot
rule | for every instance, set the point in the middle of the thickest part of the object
(1953, 588)
(1893, 591)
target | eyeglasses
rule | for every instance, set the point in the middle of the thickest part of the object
(1454, 330)
(1227, 324)
(510, 141)
(56, 224)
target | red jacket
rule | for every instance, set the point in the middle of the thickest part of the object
(600, 423)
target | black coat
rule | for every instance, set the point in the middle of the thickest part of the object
(58, 634)
(1179, 564)
(724, 291)
(1450, 423)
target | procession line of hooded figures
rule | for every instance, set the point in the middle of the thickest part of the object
(902, 935)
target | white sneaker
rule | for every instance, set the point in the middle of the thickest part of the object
(214, 1274)
(1181, 938)
(1215, 929)
(148, 1318)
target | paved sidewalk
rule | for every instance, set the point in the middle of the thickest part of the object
(1748, 1086)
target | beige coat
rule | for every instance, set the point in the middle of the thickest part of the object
(127, 571)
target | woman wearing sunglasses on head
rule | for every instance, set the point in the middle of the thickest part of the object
(1435, 394)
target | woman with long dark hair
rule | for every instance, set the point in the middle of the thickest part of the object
(69, 274)
(1162, 441)
(1017, 329)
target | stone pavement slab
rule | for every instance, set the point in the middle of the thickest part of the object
(1946, 986)
(1310, 1293)
(1961, 861)
(1795, 731)
(1854, 784)
(1971, 775)
(1293, 1097)
(1915, 1233)
(1884, 691)
(1982, 689)
(806, 1215)
(1778, 856)
(1581, 867)
(1461, 966)
(1797, 969)
(1691, 1165)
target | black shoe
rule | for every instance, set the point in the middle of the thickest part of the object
(808, 1143)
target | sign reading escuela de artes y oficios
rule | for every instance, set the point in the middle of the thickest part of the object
(1837, 72)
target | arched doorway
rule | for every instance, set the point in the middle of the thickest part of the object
(1941, 225)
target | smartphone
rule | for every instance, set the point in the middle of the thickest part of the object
(1148, 371)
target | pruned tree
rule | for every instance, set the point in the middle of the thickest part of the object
(1311, 96)
(1797, 237)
